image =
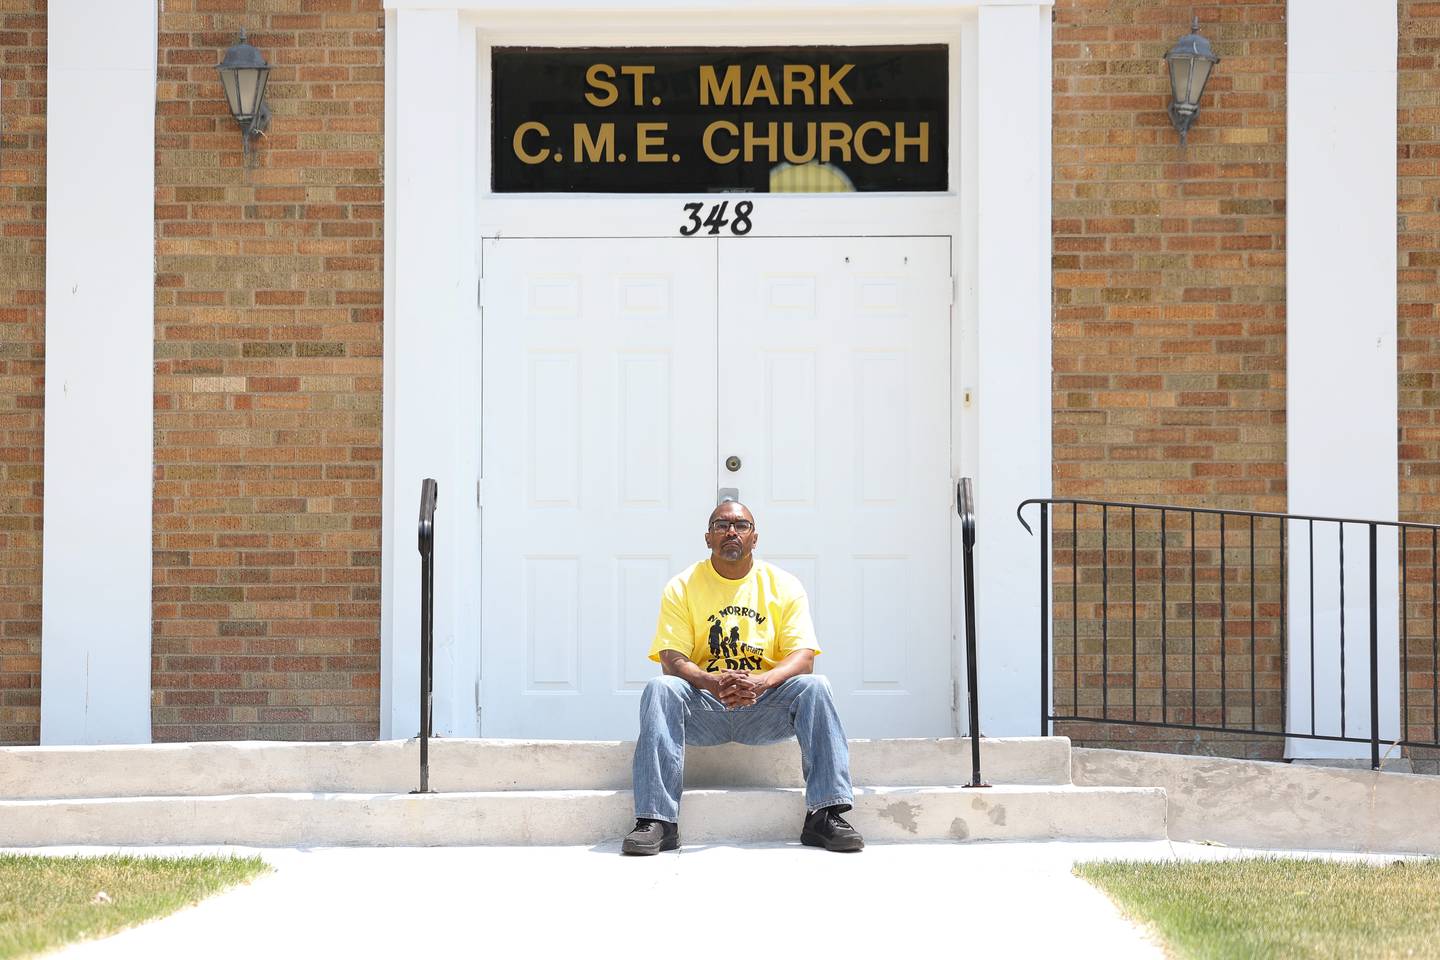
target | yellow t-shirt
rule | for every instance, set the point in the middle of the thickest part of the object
(750, 624)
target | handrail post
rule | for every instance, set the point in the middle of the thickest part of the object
(1375, 656)
(1044, 620)
(429, 494)
(965, 506)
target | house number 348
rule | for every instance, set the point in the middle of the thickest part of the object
(715, 218)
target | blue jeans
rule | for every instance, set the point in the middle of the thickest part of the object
(673, 713)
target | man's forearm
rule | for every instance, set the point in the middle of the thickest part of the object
(676, 664)
(801, 661)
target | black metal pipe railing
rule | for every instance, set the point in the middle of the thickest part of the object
(429, 494)
(1240, 661)
(965, 506)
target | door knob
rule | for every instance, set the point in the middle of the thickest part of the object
(732, 463)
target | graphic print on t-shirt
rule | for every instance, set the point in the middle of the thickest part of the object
(727, 650)
(749, 624)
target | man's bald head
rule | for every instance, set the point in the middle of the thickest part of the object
(729, 509)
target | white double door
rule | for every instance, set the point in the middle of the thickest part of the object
(619, 378)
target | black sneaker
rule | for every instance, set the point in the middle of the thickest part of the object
(826, 828)
(650, 837)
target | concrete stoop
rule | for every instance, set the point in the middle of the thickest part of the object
(538, 792)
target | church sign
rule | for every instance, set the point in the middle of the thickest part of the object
(729, 119)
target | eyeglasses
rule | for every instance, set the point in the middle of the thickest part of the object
(739, 526)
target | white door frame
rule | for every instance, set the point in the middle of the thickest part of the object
(437, 209)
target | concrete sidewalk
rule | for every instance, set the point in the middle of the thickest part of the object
(1002, 899)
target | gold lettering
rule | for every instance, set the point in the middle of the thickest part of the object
(760, 86)
(799, 79)
(718, 91)
(591, 150)
(708, 145)
(791, 154)
(647, 136)
(519, 141)
(834, 136)
(830, 83)
(865, 155)
(770, 141)
(921, 140)
(637, 79)
(599, 76)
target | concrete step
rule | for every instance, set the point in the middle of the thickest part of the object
(471, 766)
(892, 813)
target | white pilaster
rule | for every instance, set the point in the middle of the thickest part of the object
(424, 207)
(1012, 279)
(99, 372)
(1341, 356)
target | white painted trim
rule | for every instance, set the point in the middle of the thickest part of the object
(461, 694)
(99, 372)
(389, 508)
(447, 125)
(422, 363)
(1341, 348)
(1013, 391)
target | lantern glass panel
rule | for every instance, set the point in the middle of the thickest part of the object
(1180, 79)
(1199, 75)
(248, 81)
(232, 90)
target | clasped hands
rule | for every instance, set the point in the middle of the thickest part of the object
(736, 688)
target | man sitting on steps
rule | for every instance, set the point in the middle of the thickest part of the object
(738, 649)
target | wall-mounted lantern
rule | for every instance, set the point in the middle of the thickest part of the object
(243, 74)
(1189, 61)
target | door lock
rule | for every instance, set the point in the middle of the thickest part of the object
(732, 463)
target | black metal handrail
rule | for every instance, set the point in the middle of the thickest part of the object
(965, 506)
(429, 494)
(1266, 532)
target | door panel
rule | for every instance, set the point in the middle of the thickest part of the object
(599, 465)
(616, 382)
(834, 393)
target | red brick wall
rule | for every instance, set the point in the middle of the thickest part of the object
(22, 361)
(267, 377)
(1169, 340)
(1418, 333)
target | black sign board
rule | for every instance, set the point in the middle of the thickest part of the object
(693, 120)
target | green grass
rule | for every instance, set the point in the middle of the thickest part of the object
(47, 902)
(1280, 907)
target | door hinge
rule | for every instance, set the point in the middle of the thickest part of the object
(954, 289)
(954, 695)
(480, 492)
(480, 291)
